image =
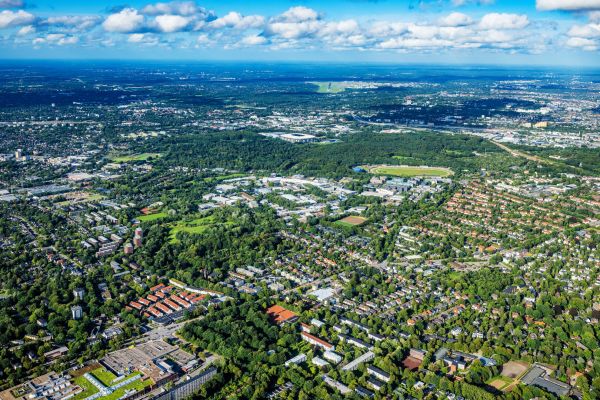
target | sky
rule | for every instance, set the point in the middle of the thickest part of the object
(482, 32)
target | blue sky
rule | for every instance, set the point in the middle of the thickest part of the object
(542, 32)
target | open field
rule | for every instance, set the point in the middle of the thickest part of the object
(104, 376)
(195, 226)
(151, 217)
(407, 171)
(223, 177)
(329, 87)
(514, 369)
(134, 157)
(352, 220)
(500, 382)
(88, 388)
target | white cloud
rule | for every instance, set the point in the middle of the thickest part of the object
(585, 31)
(253, 40)
(171, 23)
(293, 30)
(300, 14)
(582, 43)
(26, 30)
(455, 19)
(125, 21)
(186, 8)
(568, 5)
(143, 38)
(460, 3)
(56, 38)
(79, 22)
(238, 21)
(503, 21)
(15, 18)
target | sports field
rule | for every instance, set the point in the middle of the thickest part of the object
(500, 382)
(408, 171)
(352, 220)
(134, 157)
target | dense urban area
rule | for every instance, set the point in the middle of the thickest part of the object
(226, 231)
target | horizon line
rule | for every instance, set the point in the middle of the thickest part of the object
(306, 62)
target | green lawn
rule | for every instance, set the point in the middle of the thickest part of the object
(223, 177)
(499, 382)
(151, 217)
(409, 171)
(134, 157)
(136, 385)
(107, 378)
(195, 226)
(88, 388)
(104, 376)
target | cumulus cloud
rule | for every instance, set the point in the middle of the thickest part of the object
(455, 19)
(59, 39)
(171, 23)
(585, 31)
(143, 38)
(125, 21)
(238, 21)
(295, 23)
(174, 23)
(568, 5)
(10, 18)
(504, 21)
(299, 14)
(175, 7)
(253, 40)
(78, 22)
(582, 43)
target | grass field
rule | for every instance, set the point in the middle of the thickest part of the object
(195, 226)
(406, 171)
(104, 376)
(151, 217)
(134, 157)
(223, 177)
(329, 87)
(500, 382)
(352, 220)
(107, 379)
(88, 388)
(136, 385)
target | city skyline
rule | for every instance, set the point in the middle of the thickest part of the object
(542, 32)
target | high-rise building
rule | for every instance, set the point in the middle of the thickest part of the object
(77, 312)
(79, 293)
(128, 249)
